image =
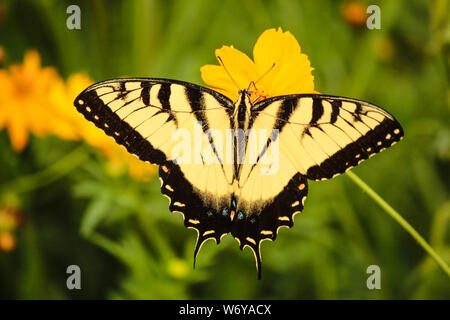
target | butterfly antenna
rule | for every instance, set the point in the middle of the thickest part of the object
(264, 74)
(223, 65)
(254, 82)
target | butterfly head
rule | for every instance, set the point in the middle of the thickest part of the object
(244, 93)
(244, 98)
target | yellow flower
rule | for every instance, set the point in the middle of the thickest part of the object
(24, 108)
(11, 217)
(279, 68)
(35, 99)
(138, 169)
(177, 268)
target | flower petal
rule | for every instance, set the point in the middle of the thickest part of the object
(241, 71)
(31, 61)
(17, 132)
(274, 46)
(215, 76)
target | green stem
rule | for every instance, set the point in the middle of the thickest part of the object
(400, 220)
(54, 172)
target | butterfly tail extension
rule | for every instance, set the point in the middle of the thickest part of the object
(264, 224)
(207, 221)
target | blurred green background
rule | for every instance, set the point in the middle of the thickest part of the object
(119, 230)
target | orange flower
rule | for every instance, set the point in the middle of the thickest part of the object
(24, 108)
(7, 241)
(354, 12)
(279, 68)
(2, 56)
(10, 219)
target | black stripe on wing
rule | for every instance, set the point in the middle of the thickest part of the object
(164, 99)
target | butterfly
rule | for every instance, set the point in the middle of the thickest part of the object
(239, 167)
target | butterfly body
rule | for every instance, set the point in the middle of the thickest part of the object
(236, 167)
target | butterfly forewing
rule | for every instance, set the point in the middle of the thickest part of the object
(324, 136)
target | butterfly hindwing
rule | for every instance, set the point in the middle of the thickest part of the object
(262, 222)
(209, 222)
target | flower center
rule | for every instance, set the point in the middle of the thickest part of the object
(257, 95)
(23, 84)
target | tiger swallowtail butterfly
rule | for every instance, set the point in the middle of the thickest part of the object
(236, 167)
